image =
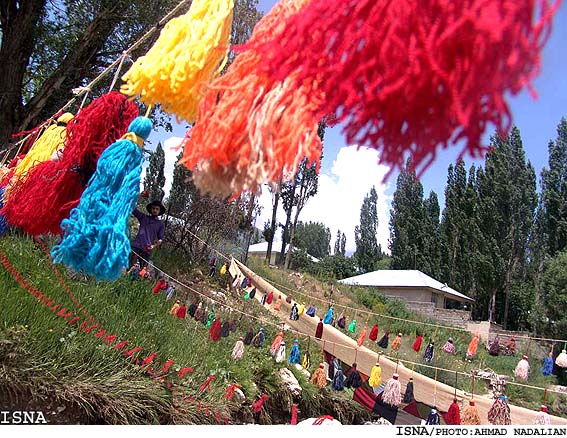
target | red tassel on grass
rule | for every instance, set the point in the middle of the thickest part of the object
(148, 360)
(184, 371)
(294, 414)
(166, 365)
(257, 405)
(229, 393)
(207, 384)
(413, 77)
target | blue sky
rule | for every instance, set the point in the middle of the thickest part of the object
(348, 174)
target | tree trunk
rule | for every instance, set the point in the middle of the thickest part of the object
(18, 24)
(273, 226)
(292, 234)
(287, 223)
(507, 291)
(492, 307)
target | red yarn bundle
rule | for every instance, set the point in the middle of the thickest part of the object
(251, 129)
(411, 77)
(53, 188)
(453, 415)
(215, 329)
(417, 343)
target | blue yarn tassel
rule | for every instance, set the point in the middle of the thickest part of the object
(95, 239)
(433, 417)
(328, 316)
(339, 380)
(294, 353)
(547, 367)
(3, 224)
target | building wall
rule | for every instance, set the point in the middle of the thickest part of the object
(416, 295)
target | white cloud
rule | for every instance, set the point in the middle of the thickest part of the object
(340, 196)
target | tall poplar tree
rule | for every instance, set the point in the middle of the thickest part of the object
(154, 180)
(368, 251)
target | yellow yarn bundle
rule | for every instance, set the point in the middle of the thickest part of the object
(53, 138)
(191, 50)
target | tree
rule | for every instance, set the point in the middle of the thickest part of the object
(49, 48)
(340, 243)
(182, 189)
(269, 236)
(313, 237)
(507, 198)
(154, 180)
(368, 252)
(553, 203)
(407, 218)
(307, 179)
(554, 284)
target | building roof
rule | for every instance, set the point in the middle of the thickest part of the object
(404, 279)
(262, 247)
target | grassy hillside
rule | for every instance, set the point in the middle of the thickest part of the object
(73, 377)
(307, 289)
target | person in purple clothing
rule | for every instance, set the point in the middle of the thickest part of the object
(150, 235)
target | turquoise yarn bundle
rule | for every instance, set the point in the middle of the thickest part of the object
(294, 353)
(95, 239)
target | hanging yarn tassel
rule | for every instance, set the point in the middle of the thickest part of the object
(306, 362)
(319, 377)
(225, 329)
(339, 380)
(453, 415)
(52, 139)
(542, 416)
(258, 340)
(383, 343)
(373, 335)
(280, 355)
(522, 370)
(328, 316)
(210, 318)
(238, 349)
(182, 311)
(547, 367)
(362, 336)
(191, 50)
(433, 417)
(3, 223)
(392, 394)
(470, 415)
(352, 326)
(53, 188)
(240, 139)
(408, 394)
(276, 343)
(449, 347)
(294, 354)
(435, 56)
(95, 238)
(319, 329)
(353, 380)
(375, 376)
(397, 343)
(471, 349)
(561, 359)
(257, 405)
(429, 352)
(499, 413)
(417, 343)
(249, 336)
(215, 329)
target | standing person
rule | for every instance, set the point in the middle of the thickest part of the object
(150, 235)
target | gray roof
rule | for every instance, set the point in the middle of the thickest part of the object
(403, 279)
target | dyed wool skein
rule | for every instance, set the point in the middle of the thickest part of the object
(95, 236)
(392, 394)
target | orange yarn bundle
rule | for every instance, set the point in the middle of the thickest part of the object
(241, 138)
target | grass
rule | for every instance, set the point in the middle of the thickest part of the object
(44, 358)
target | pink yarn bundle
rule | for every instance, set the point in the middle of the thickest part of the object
(392, 394)
(522, 370)
(542, 416)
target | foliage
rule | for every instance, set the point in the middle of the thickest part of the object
(314, 238)
(336, 267)
(368, 251)
(154, 180)
(554, 285)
